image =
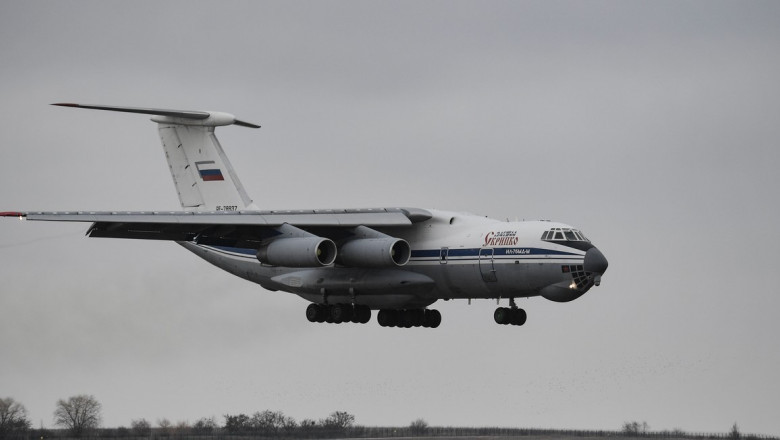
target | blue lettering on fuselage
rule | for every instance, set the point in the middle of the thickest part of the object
(518, 251)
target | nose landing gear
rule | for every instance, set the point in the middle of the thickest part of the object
(510, 315)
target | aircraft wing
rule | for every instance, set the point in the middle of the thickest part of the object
(233, 228)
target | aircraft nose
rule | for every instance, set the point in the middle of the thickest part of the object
(595, 261)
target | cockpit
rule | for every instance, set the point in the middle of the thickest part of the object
(568, 237)
(564, 234)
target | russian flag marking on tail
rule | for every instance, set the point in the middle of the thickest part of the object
(209, 171)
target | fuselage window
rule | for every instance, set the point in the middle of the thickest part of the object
(558, 235)
(570, 236)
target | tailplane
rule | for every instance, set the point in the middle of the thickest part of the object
(204, 178)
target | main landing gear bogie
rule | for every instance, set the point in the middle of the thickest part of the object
(510, 315)
(359, 314)
(338, 313)
(408, 318)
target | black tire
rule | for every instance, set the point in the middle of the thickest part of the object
(432, 318)
(348, 312)
(385, 318)
(322, 313)
(519, 317)
(405, 319)
(355, 318)
(363, 314)
(337, 313)
(502, 315)
(417, 317)
(313, 312)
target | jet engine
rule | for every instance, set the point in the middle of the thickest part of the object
(375, 252)
(310, 251)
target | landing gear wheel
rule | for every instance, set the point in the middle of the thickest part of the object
(323, 313)
(502, 315)
(362, 314)
(519, 317)
(341, 313)
(432, 318)
(405, 319)
(387, 318)
(506, 315)
(417, 317)
(313, 312)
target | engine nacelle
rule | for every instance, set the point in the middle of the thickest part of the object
(298, 252)
(375, 252)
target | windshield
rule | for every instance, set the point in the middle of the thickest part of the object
(564, 234)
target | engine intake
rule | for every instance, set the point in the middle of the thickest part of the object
(375, 252)
(298, 252)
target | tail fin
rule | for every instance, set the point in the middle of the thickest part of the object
(204, 178)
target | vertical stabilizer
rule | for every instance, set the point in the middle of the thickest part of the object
(204, 178)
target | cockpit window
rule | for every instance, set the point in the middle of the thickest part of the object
(564, 234)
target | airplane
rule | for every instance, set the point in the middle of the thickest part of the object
(345, 262)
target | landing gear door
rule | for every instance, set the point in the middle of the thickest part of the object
(486, 267)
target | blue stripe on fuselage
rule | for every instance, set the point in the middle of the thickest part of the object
(474, 252)
(436, 253)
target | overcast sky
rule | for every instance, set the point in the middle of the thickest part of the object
(652, 126)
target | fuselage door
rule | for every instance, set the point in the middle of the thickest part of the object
(443, 255)
(486, 267)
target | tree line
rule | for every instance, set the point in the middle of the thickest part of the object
(81, 417)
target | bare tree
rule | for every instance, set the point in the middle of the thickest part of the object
(13, 416)
(272, 422)
(166, 427)
(182, 428)
(635, 428)
(141, 427)
(205, 425)
(265, 421)
(237, 424)
(418, 426)
(78, 414)
(307, 426)
(288, 424)
(734, 433)
(339, 420)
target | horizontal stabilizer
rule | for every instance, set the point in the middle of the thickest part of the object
(196, 117)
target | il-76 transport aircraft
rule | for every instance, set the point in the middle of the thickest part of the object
(346, 262)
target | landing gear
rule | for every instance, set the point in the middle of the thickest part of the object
(338, 313)
(409, 318)
(507, 315)
(315, 313)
